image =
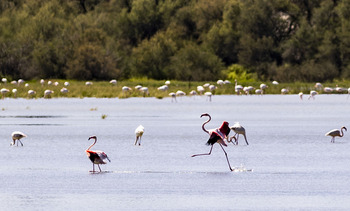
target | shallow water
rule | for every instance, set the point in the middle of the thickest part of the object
(294, 166)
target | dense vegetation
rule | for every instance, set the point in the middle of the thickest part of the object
(190, 40)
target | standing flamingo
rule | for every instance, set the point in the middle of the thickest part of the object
(238, 129)
(336, 132)
(139, 132)
(217, 135)
(96, 157)
(17, 135)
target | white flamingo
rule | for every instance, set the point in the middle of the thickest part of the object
(284, 91)
(301, 95)
(336, 132)
(208, 94)
(113, 82)
(313, 93)
(239, 130)
(139, 132)
(48, 93)
(4, 91)
(263, 87)
(173, 96)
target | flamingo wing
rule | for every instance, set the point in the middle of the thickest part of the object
(97, 157)
(334, 132)
(216, 136)
(103, 156)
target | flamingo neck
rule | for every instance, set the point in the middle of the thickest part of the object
(205, 130)
(342, 133)
(92, 145)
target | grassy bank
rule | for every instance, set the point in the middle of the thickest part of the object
(104, 89)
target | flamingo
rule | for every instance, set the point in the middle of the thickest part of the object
(3, 92)
(88, 83)
(200, 89)
(17, 135)
(64, 90)
(336, 132)
(318, 86)
(173, 96)
(139, 132)
(301, 95)
(312, 94)
(238, 88)
(48, 93)
(262, 87)
(163, 88)
(284, 91)
(113, 82)
(96, 157)
(208, 94)
(14, 91)
(66, 83)
(217, 135)
(31, 93)
(167, 83)
(275, 83)
(42, 81)
(238, 129)
(4, 80)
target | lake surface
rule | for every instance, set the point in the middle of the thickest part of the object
(294, 166)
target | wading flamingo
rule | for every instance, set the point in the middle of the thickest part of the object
(96, 157)
(217, 135)
(336, 132)
(17, 135)
(139, 132)
(239, 130)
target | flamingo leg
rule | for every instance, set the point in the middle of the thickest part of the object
(99, 167)
(140, 141)
(237, 138)
(93, 167)
(137, 138)
(205, 153)
(228, 162)
(20, 141)
(245, 139)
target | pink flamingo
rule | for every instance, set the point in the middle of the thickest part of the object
(217, 135)
(336, 132)
(96, 157)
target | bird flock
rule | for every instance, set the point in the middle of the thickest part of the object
(216, 136)
(208, 89)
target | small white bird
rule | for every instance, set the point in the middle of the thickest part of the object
(42, 81)
(139, 132)
(239, 130)
(4, 80)
(167, 83)
(17, 135)
(336, 132)
(88, 83)
(66, 83)
(275, 83)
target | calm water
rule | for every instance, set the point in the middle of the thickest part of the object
(294, 165)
